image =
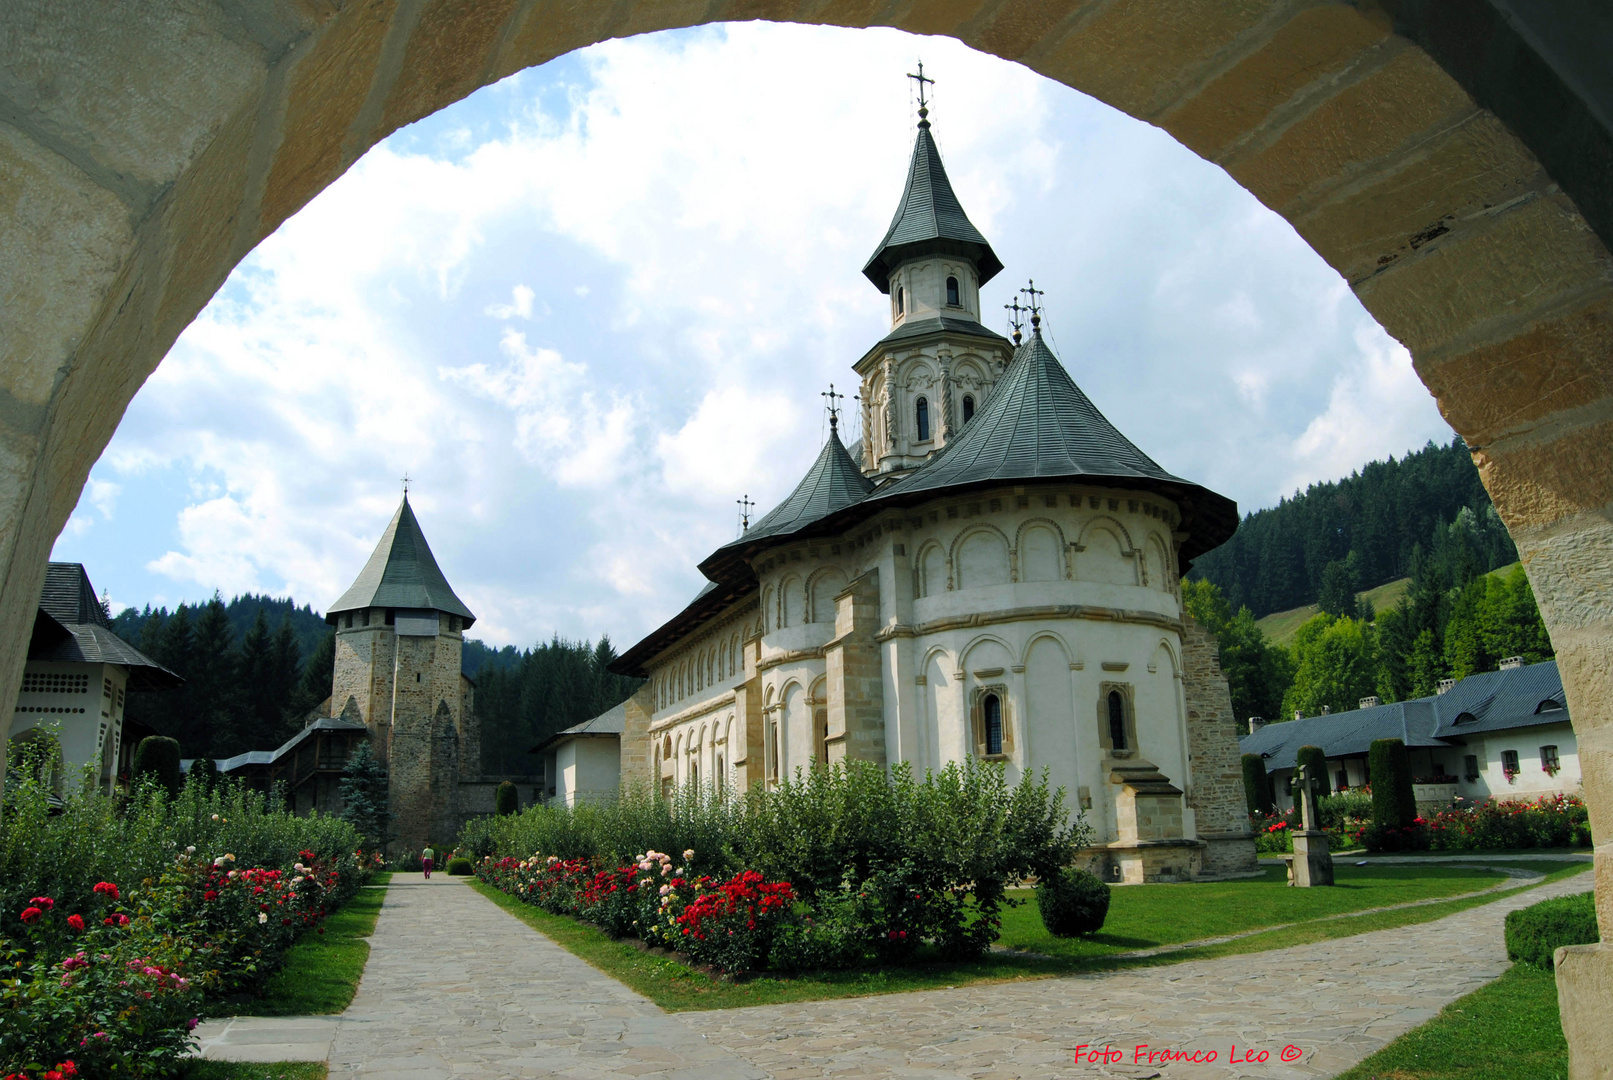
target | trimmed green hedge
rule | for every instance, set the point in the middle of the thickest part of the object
(1072, 902)
(1313, 759)
(460, 867)
(1394, 804)
(1257, 791)
(158, 756)
(1534, 933)
(506, 800)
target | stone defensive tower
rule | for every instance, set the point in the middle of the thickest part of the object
(399, 638)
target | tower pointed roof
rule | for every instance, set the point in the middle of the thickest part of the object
(833, 483)
(402, 573)
(929, 220)
(1038, 425)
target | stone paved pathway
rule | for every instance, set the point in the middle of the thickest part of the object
(456, 987)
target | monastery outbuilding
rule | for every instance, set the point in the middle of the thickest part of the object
(991, 572)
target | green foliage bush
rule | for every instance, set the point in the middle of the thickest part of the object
(926, 861)
(204, 770)
(1491, 824)
(1394, 804)
(1072, 902)
(1313, 759)
(1346, 809)
(1534, 933)
(459, 866)
(1257, 790)
(97, 881)
(157, 757)
(1380, 837)
(506, 800)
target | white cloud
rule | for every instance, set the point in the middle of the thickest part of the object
(685, 256)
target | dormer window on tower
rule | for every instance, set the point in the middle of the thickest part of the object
(922, 419)
(952, 292)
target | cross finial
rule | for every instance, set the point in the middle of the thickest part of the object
(1014, 320)
(833, 406)
(406, 483)
(745, 507)
(924, 100)
(1035, 306)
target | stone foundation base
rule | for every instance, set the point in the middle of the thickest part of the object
(1229, 855)
(1136, 862)
(1585, 1000)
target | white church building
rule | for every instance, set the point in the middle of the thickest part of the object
(991, 572)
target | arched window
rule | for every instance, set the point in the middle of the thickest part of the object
(968, 407)
(1117, 721)
(901, 299)
(952, 292)
(993, 707)
(923, 409)
(718, 774)
(772, 752)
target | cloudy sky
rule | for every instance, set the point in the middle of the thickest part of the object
(590, 307)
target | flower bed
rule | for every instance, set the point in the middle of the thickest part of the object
(837, 867)
(1550, 821)
(106, 962)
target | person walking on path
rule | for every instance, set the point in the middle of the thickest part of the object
(426, 858)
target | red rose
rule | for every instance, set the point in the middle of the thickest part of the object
(31, 914)
(123, 920)
(210, 894)
(68, 1068)
(76, 921)
(108, 888)
(43, 901)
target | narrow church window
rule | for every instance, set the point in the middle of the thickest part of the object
(924, 419)
(719, 774)
(417, 676)
(993, 706)
(952, 292)
(901, 300)
(968, 407)
(1117, 721)
(391, 616)
(772, 751)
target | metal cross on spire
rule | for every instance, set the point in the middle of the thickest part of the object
(833, 405)
(924, 101)
(745, 507)
(406, 483)
(1014, 320)
(1035, 306)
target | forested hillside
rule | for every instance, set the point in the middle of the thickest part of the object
(255, 666)
(1356, 533)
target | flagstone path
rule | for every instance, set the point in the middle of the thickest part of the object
(456, 987)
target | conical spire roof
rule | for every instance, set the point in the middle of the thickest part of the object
(833, 483)
(402, 573)
(1037, 424)
(929, 220)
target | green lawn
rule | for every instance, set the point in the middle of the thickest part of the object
(1140, 917)
(321, 971)
(1508, 1029)
(241, 1070)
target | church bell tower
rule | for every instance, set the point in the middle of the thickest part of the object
(399, 640)
(926, 378)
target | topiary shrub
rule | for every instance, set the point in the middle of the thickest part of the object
(1394, 804)
(459, 866)
(506, 800)
(204, 772)
(1072, 903)
(1257, 791)
(157, 756)
(1534, 933)
(1313, 759)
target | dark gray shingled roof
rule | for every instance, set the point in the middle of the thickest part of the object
(71, 628)
(1037, 424)
(929, 221)
(1489, 701)
(833, 483)
(612, 722)
(938, 324)
(402, 573)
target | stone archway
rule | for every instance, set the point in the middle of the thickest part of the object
(1452, 161)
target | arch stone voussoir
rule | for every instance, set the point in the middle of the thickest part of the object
(145, 149)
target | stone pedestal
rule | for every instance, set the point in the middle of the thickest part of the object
(1584, 988)
(1311, 863)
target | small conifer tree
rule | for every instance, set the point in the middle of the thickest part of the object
(1257, 790)
(1313, 759)
(1394, 803)
(506, 800)
(157, 756)
(364, 799)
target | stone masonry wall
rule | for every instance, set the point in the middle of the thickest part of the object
(1216, 795)
(855, 676)
(637, 760)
